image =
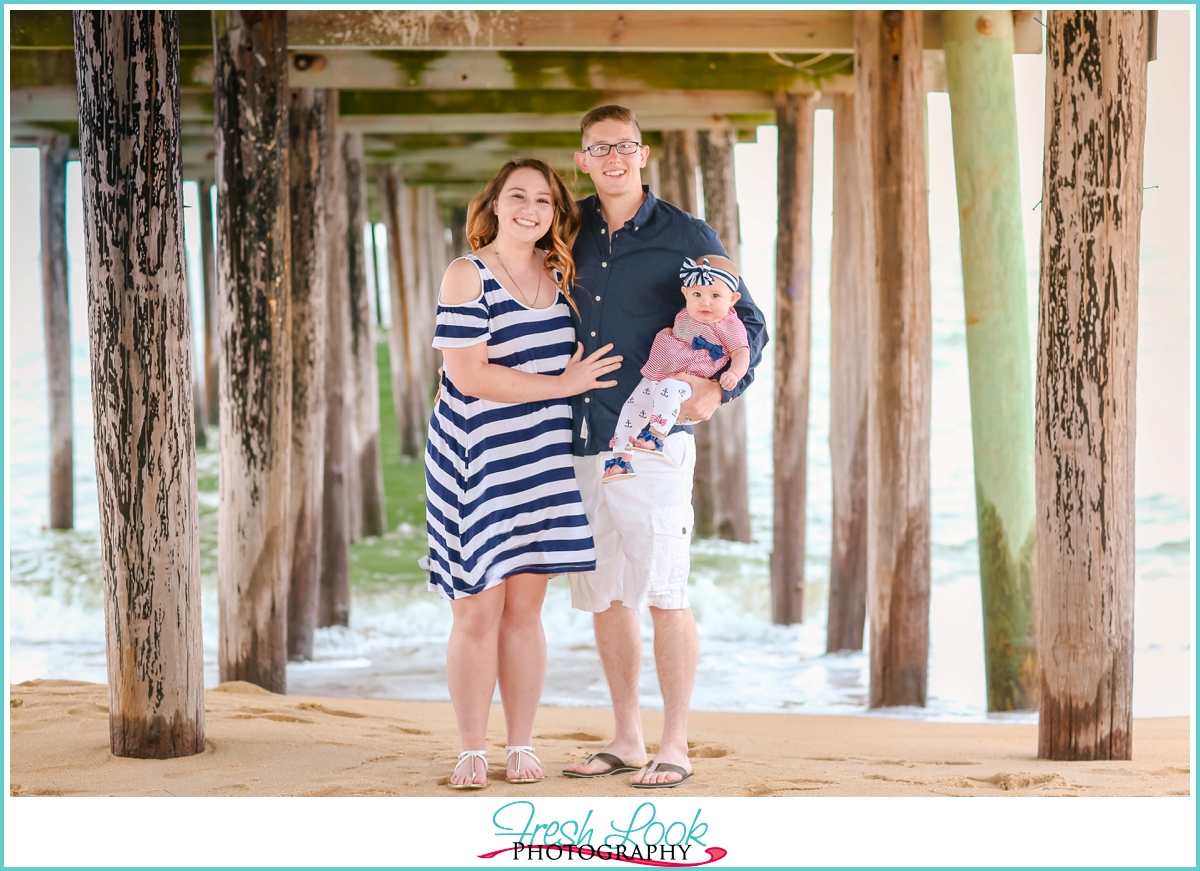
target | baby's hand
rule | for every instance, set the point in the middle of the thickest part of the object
(728, 380)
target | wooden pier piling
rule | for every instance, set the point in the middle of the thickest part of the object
(724, 476)
(333, 608)
(792, 339)
(1087, 375)
(208, 275)
(367, 459)
(56, 321)
(983, 113)
(251, 104)
(848, 372)
(309, 152)
(890, 101)
(127, 69)
(406, 397)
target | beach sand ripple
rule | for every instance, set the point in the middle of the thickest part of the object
(263, 744)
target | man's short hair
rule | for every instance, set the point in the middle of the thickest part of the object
(609, 113)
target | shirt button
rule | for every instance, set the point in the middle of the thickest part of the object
(593, 334)
(597, 299)
(585, 399)
(602, 232)
(604, 264)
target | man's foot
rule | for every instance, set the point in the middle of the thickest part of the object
(615, 765)
(596, 765)
(618, 467)
(661, 776)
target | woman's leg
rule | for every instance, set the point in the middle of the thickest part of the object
(471, 662)
(522, 663)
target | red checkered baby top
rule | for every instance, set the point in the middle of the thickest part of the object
(673, 353)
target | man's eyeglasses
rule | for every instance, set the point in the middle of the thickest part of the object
(600, 149)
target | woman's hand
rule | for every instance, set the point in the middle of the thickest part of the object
(583, 373)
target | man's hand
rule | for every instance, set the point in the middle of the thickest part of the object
(705, 399)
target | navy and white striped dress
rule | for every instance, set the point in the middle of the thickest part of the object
(501, 497)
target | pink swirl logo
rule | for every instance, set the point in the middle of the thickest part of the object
(604, 853)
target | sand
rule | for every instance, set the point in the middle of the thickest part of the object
(263, 744)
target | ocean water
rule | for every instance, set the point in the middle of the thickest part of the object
(395, 645)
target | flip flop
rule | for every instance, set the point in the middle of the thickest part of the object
(618, 766)
(663, 766)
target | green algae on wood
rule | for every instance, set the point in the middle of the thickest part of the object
(979, 75)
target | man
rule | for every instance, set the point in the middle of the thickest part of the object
(628, 254)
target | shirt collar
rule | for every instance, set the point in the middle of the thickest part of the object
(643, 214)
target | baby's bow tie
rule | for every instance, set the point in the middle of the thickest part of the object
(715, 351)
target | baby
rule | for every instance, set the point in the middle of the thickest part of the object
(706, 335)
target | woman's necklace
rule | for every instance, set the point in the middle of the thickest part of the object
(537, 293)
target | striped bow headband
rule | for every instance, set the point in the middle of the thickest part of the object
(693, 273)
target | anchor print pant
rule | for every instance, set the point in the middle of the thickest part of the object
(651, 403)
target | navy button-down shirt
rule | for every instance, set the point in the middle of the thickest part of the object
(627, 287)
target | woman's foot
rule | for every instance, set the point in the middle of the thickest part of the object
(523, 765)
(618, 467)
(471, 770)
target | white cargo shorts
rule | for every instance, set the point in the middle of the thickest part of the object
(642, 528)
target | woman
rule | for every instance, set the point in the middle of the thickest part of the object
(503, 508)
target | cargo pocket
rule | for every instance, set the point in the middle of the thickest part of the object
(672, 543)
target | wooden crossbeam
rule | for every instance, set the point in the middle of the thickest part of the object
(400, 111)
(359, 69)
(615, 30)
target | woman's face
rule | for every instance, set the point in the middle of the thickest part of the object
(525, 207)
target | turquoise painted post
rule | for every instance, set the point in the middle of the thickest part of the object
(983, 110)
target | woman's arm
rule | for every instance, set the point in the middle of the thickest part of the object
(471, 373)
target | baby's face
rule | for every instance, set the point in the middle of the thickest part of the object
(709, 303)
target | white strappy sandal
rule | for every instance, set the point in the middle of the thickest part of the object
(509, 750)
(481, 755)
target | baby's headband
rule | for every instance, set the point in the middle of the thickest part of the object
(694, 273)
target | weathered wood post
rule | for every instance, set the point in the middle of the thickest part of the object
(889, 96)
(208, 274)
(253, 548)
(983, 113)
(375, 267)
(127, 70)
(435, 234)
(309, 152)
(368, 460)
(848, 372)
(418, 234)
(403, 356)
(793, 339)
(56, 321)
(1087, 370)
(677, 169)
(676, 178)
(458, 230)
(333, 608)
(727, 501)
(198, 415)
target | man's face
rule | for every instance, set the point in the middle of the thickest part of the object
(613, 174)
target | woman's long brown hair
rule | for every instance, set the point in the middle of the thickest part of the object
(482, 223)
